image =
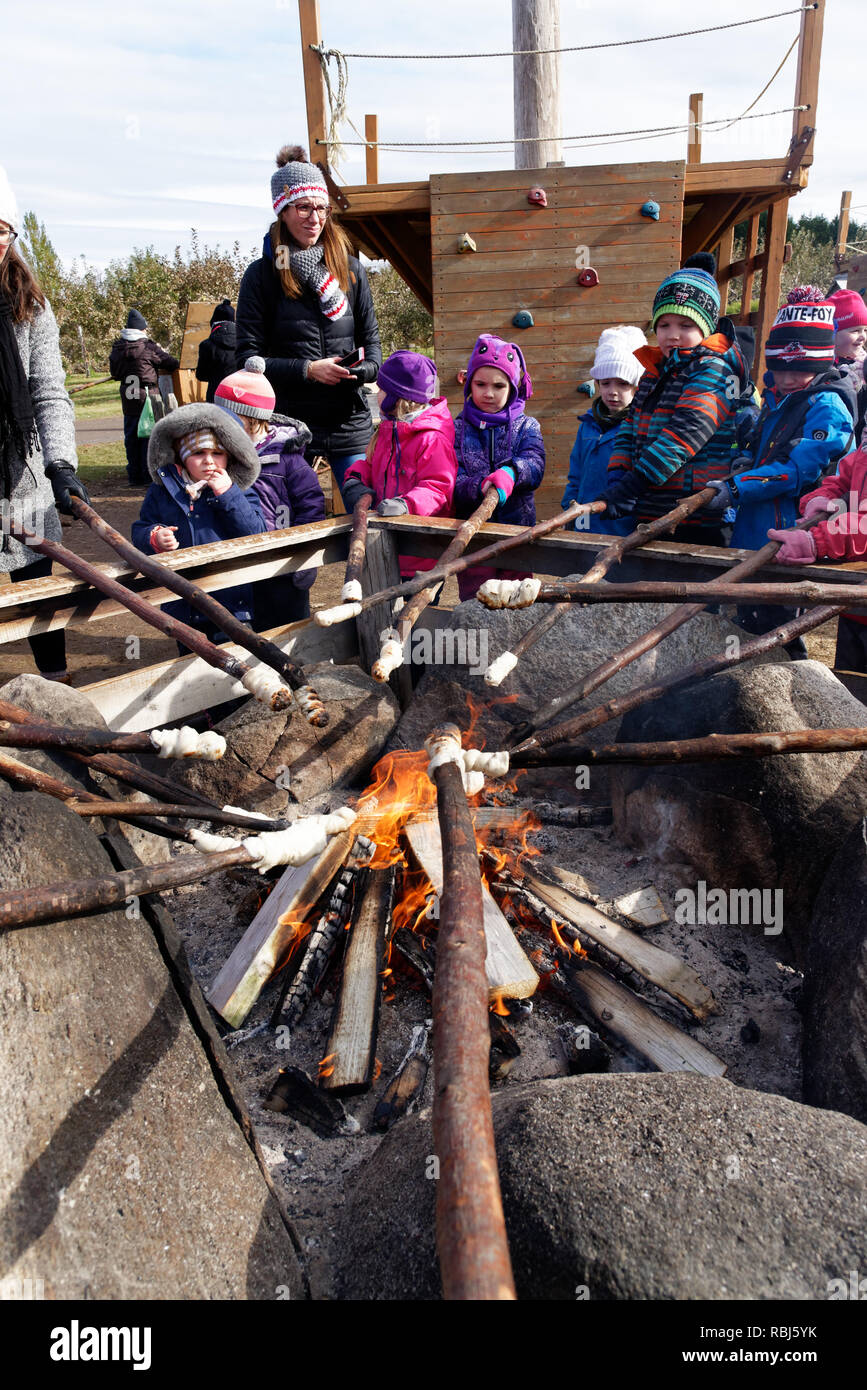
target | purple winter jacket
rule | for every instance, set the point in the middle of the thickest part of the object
(480, 452)
(288, 489)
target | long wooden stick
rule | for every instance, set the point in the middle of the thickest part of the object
(471, 1233)
(614, 553)
(113, 765)
(211, 608)
(646, 642)
(803, 594)
(128, 810)
(326, 616)
(357, 548)
(33, 779)
(711, 748)
(416, 606)
(279, 698)
(570, 729)
(63, 737)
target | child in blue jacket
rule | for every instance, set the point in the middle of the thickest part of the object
(288, 489)
(804, 426)
(203, 468)
(617, 372)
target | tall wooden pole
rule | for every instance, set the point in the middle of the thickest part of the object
(536, 78)
(314, 85)
(842, 230)
(371, 153)
(807, 80)
(769, 299)
(693, 139)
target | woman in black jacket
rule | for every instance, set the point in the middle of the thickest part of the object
(217, 351)
(305, 304)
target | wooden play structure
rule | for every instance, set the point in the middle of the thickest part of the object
(529, 256)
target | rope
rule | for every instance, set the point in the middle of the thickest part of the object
(336, 104)
(792, 46)
(576, 48)
(448, 146)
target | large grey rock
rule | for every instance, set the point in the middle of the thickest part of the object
(58, 704)
(631, 1187)
(272, 762)
(747, 823)
(835, 987)
(122, 1172)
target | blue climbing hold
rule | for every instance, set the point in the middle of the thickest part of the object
(587, 388)
(523, 319)
(650, 209)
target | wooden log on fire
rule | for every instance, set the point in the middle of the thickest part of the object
(711, 748)
(211, 608)
(420, 952)
(619, 660)
(327, 616)
(351, 1051)
(297, 991)
(569, 729)
(394, 642)
(470, 1228)
(510, 974)
(404, 1091)
(612, 555)
(260, 681)
(294, 1093)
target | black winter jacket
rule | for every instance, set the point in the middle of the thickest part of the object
(216, 357)
(136, 365)
(288, 332)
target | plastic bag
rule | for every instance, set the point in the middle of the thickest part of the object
(146, 420)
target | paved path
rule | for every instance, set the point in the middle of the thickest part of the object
(107, 429)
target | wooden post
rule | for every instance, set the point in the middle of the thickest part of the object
(769, 300)
(536, 82)
(749, 274)
(693, 139)
(314, 85)
(842, 230)
(724, 255)
(807, 81)
(371, 154)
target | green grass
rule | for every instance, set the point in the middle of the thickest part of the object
(98, 462)
(96, 402)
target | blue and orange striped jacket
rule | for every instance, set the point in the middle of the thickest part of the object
(680, 432)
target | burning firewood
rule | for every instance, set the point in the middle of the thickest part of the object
(328, 616)
(267, 652)
(352, 1041)
(614, 553)
(261, 682)
(505, 1048)
(293, 1093)
(323, 941)
(471, 1234)
(583, 1050)
(404, 1091)
(418, 951)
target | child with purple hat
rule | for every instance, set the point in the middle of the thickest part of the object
(497, 444)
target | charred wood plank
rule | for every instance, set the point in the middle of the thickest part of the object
(293, 1093)
(404, 1091)
(418, 951)
(351, 1051)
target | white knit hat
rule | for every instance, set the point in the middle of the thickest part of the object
(8, 204)
(615, 354)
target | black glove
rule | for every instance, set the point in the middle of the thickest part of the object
(620, 498)
(365, 372)
(352, 491)
(65, 484)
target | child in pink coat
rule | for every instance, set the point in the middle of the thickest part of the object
(410, 466)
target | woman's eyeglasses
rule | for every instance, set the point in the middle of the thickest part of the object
(308, 210)
(7, 236)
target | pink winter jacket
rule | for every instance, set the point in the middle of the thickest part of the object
(414, 459)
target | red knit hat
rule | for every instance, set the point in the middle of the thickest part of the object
(850, 311)
(802, 338)
(248, 392)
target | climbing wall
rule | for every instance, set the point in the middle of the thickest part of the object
(529, 257)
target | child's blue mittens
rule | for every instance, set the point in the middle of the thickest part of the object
(724, 499)
(392, 506)
(621, 497)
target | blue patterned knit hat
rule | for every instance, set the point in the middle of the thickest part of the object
(691, 292)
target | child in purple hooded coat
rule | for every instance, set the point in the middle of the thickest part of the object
(288, 489)
(497, 444)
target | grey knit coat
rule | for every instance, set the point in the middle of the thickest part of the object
(32, 500)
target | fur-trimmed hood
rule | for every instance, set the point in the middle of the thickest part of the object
(243, 465)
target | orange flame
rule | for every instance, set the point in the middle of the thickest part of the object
(325, 1066)
(377, 1069)
(497, 1006)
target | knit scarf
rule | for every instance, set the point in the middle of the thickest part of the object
(18, 434)
(607, 419)
(308, 266)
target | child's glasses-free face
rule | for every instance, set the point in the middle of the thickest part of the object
(204, 463)
(489, 389)
(616, 393)
(677, 331)
(786, 382)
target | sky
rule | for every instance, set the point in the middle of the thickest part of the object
(126, 125)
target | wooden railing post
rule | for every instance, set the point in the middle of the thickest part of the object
(749, 273)
(371, 153)
(696, 116)
(807, 80)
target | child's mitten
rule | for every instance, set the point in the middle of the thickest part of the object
(392, 506)
(825, 506)
(621, 497)
(503, 479)
(723, 500)
(797, 548)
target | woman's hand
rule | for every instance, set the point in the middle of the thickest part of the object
(162, 538)
(327, 371)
